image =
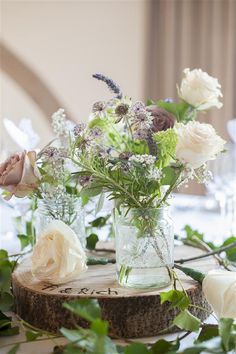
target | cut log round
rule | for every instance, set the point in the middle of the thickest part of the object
(131, 313)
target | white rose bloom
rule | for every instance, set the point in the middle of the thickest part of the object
(58, 256)
(219, 288)
(200, 90)
(197, 143)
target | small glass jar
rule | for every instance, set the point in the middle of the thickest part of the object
(144, 247)
(68, 210)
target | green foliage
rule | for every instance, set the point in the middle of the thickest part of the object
(32, 335)
(163, 346)
(85, 308)
(14, 349)
(29, 238)
(178, 299)
(6, 327)
(91, 240)
(166, 143)
(186, 321)
(225, 327)
(193, 273)
(99, 222)
(182, 111)
(208, 332)
(231, 254)
(136, 348)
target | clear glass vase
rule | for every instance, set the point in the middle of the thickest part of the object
(144, 247)
(68, 210)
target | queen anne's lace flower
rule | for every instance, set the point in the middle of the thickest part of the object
(59, 124)
(145, 160)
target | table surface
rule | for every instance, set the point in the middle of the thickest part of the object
(199, 212)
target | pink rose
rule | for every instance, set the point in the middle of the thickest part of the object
(19, 174)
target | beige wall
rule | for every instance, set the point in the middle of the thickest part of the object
(64, 43)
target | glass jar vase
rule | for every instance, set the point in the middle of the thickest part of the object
(144, 241)
(67, 209)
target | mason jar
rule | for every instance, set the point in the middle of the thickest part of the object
(68, 210)
(144, 241)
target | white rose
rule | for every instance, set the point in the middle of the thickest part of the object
(219, 288)
(200, 90)
(197, 143)
(58, 256)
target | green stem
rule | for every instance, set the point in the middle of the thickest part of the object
(212, 253)
(102, 176)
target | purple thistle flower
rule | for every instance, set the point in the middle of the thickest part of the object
(79, 128)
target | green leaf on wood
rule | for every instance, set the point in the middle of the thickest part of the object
(92, 240)
(163, 346)
(177, 298)
(185, 320)
(208, 331)
(136, 348)
(32, 335)
(85, 308)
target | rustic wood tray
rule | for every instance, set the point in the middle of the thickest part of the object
(131, 313)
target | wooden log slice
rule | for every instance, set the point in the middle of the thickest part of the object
(131, 313)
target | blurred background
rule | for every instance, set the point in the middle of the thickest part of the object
(50, 49)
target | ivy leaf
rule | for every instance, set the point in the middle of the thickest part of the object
(90, 191)
(14, 349)
(163, 346)
(70, 349)
(91, 240)
(208, 331)
(6, 301)
(73, 335)
(88, 309)
(225, 326)
(185, 320)
(99, 222)
(32, 335)
(100, 203)
(179, 110)
(231, 254)
(5, 275)
(3, 255)
(177, 298)
(6, 328)
(170, 176)
(25, 240)
(100, 327)
(136, 348)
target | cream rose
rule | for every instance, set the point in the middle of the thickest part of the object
(219, 288)
(197, 143)
(19, 174)
(58, 256)
(200, 90)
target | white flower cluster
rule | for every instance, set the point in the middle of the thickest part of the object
(145, 160)
(154, 173)
(59, 123)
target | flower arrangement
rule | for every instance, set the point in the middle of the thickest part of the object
(140, 153)
(137, 154)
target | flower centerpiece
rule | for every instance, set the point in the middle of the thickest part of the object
(138, 154)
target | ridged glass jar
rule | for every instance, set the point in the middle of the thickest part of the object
(68, 210)
(144, 247)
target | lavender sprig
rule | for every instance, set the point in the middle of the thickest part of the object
(111, 84)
